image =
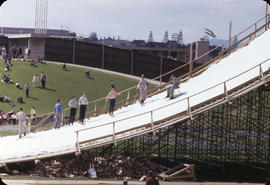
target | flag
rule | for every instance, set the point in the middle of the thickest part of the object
(210, 33)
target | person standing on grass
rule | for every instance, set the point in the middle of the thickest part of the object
(83, 101)
(22, 119)
(58, 111)
(142, 86)
(43, 79)
(26, 88)
(112, 97)
(73, 107)
(112, 84)
(35, 80)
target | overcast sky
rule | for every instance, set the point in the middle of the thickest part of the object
(134, 19)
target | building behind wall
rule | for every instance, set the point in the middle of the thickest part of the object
(16, 31)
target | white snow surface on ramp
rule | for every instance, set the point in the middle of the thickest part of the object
(64, 138)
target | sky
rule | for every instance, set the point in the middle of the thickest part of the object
(134, 19)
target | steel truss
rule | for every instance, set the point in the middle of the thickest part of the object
(238, 131)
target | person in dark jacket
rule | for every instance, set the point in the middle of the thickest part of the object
(43, 79)
(152, 179)
(27, 88)
(73, 107)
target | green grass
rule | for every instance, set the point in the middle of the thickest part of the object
(7, 133)
(59, 84)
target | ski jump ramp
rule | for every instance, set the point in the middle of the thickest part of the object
(225, 79)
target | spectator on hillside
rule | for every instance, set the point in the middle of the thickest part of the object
(83, 101)
(6, 79)
(112, 97)
(7, 62)
(58, 111)
(18, 85)
(12, 119)
(73, 107)
(7, 99)
(26, 88)
(4, 51)
(6, 69)
(152, 179)
(32, 62)
(64, 67)
(33, 113)
(43, 79)
(142, 86)
(112, 84)
(87, 73)
(22, 119)
(35, 80)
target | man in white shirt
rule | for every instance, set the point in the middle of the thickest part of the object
(83, 104)
(22, 119)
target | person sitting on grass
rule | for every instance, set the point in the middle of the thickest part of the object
(6, 79)
(17, 85)
(6, 69)
(7, 99)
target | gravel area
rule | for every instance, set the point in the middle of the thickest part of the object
(9, 128)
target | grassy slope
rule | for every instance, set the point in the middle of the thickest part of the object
(60, 84)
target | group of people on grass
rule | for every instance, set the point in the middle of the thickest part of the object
(73, 104)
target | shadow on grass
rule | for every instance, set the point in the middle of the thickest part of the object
(48, 89)
(30, 97)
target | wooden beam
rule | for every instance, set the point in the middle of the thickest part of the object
(230, 36)
(266, 16)
(190, 59)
